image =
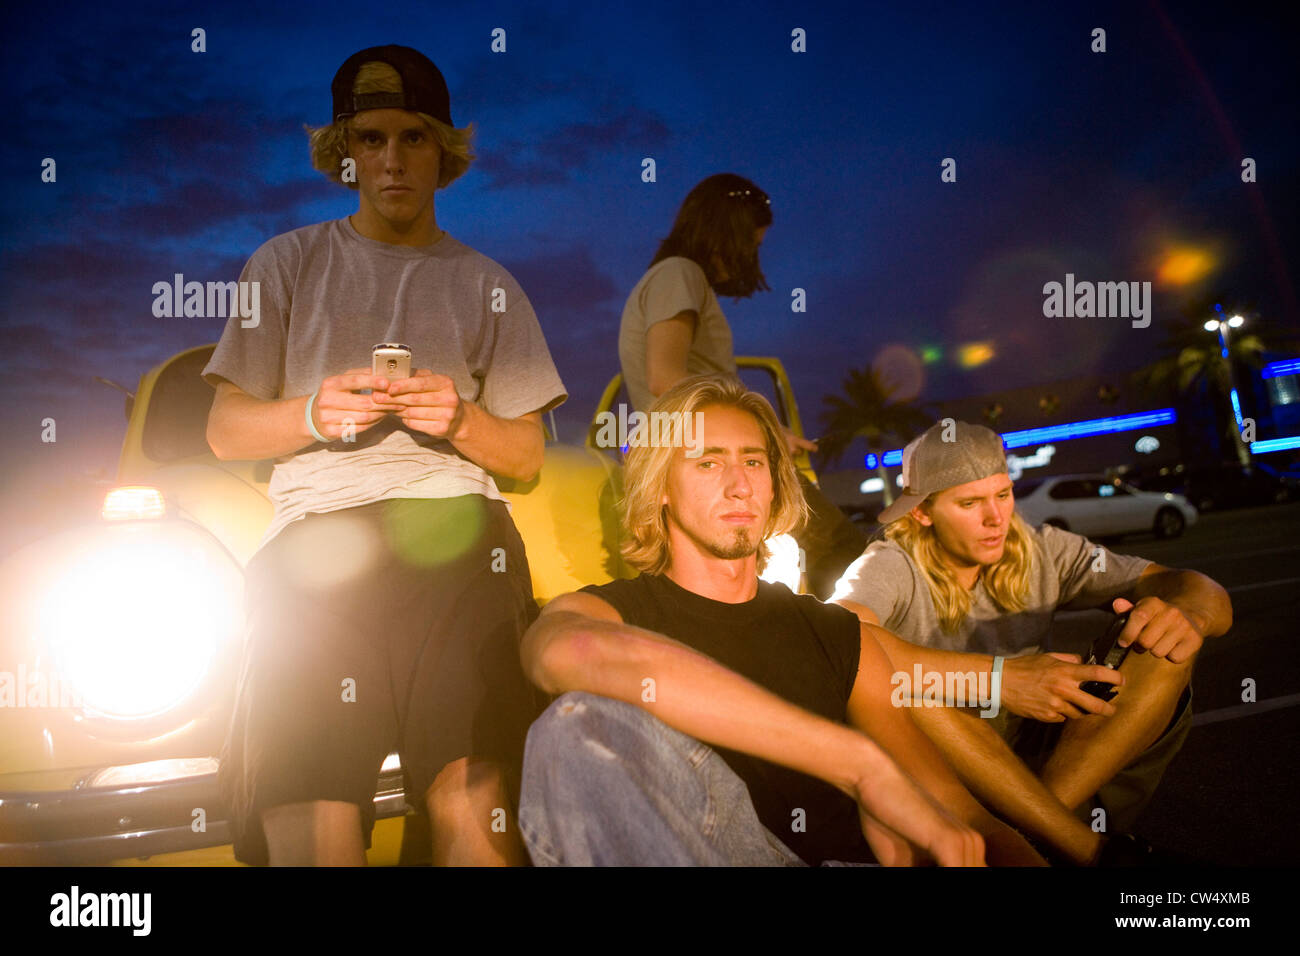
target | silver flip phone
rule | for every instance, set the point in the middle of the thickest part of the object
(392, 360)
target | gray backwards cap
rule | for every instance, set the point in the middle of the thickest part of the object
(931, 464)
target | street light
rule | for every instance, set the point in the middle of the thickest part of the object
(1221, 326)
(1215, 325)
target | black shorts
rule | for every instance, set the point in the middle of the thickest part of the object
(394, 626)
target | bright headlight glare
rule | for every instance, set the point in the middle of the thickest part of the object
(133, 502)
(783, 563)
(135, 624)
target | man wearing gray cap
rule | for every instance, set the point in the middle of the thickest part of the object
(971, 589)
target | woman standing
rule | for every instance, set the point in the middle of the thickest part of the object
(673, 327)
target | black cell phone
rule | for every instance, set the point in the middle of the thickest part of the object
(1107, 652)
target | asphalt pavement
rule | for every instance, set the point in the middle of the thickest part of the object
(1229, 796)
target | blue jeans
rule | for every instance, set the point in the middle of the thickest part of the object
(607, 784)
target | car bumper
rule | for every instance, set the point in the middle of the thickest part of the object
(117, 813)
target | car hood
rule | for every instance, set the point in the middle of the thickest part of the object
(226, 498)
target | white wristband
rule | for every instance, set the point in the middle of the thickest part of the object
(311, 425)
(995, 685)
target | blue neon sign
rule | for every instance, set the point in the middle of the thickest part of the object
(1059, 433)
(1286, 367)
(1274, 444)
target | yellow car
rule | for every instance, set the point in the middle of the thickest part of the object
(120, 642)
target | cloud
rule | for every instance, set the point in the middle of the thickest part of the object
(566, 152)
(565, 283)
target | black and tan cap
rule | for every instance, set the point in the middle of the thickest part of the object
(423, 88)
(931, 464)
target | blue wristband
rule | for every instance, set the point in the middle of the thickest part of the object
(311, 425)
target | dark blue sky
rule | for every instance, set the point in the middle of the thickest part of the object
(1067, 161)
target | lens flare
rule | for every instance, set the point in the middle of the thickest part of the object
(1184, 265)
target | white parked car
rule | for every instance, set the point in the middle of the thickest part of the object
(1099, 507)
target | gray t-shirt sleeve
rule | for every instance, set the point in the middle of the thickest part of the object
(1090, 576)
(881, 580)
(252, 358)
(520, 376)
(679, 286)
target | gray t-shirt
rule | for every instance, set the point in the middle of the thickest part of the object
(1067, 569)
(327, 295)
(672, 286)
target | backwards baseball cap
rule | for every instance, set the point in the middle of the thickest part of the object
(423, 88)
(931, 464)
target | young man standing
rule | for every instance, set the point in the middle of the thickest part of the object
(387, 599)
(969, 587)
(812, 763)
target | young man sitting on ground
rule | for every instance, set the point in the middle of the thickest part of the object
(967, 586)
(709, 718)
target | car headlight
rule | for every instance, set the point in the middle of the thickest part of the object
(135, 620)
(784, 563)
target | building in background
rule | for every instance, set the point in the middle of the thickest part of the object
(1095, 425)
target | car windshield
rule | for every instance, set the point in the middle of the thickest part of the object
(1027, 486)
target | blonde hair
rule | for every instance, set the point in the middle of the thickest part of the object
(646, 476)
(329, 144)
(1007, 581)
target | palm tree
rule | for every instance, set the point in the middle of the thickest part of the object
(1194, 362)
(866, 411)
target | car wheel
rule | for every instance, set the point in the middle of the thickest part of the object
(1057, 523)
(1169, 523)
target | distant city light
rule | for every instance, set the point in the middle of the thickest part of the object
(1093, 426)
(1184, 265)
(1146, 444)
(931, 354)
(872, 485)
(1236, 407)
(1274, 444)
(894, 457)
(974, 354)
(1016, 464)
(1285, 367)
(1057, 433)
(1236, 322)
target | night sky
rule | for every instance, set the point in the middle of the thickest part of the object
(1115, 166)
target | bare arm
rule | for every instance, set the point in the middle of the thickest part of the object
(1172, 611)
(1202, 599)
(512, 447)
(243, 427)
(1042, 686)
(428, 402)
(580, 643)
(871, 710)
(246, 428)
(667, 344)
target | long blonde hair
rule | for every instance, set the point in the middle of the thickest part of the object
(1007, 581)
(329, 144)
(646, 476)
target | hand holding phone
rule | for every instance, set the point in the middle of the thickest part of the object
(391, 360)
(1108, 653)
